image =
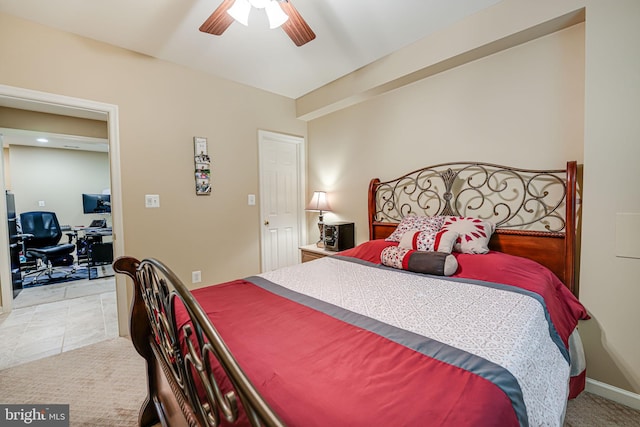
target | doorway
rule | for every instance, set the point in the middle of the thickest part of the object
(282, 190)
(30, 100)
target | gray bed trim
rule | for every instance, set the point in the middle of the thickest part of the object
(426, 346)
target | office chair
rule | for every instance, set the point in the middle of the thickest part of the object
(42, 245)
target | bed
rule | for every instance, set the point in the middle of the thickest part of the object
(460, 310)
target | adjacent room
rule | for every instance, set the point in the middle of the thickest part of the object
(441, 193)
(61, 250)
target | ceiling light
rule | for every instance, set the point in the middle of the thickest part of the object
(259, 4)
(275, 14)
(241, 9)
(42, 140)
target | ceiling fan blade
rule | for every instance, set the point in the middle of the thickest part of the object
(219, 20)
(296, 27)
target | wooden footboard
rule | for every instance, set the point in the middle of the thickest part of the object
(182, 388)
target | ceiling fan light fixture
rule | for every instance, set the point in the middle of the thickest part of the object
(280, 13)
(275, 14)
(240, 11)
(259, 4)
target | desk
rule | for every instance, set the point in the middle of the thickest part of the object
(97, 253)
(102, 231)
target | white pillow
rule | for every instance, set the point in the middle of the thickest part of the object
(474, 234)
(416, 223)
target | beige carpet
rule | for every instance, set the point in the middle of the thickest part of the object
(589, 410)
(105, 384)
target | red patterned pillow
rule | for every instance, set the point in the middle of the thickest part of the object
(474, 234)
(441, 241)
(431, 224)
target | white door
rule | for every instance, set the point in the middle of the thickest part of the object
(281, 198)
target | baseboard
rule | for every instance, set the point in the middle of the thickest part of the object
(616, 394)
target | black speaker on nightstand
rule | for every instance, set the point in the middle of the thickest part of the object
(339, 236)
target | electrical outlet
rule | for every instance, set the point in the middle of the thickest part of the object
(41, 203)
(151, 201)
(196, 276)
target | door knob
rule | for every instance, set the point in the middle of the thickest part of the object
(266, 222)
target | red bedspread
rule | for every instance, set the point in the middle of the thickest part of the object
(315, 370)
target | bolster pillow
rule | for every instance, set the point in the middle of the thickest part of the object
(438, 263)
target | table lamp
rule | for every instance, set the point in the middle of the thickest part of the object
(319, 203)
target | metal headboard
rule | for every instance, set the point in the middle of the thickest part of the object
(508, 197)
(535, 211)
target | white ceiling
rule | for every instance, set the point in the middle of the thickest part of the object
(53, 140)
(349, 34)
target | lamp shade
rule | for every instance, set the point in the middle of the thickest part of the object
(275, 14)
(241, 8)
(319, 202)
(259, 4)
(240, 11)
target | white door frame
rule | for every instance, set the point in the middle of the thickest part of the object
(5, 262)
(110, 111)
(263, 138)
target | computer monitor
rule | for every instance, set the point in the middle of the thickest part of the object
(96, 203)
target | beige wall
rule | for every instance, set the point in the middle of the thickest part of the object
(161, 108)
(31, 120)
(520, 106)
(610, 286)
(57, 177)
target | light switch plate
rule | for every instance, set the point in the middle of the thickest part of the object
(196, 276)
(151, 201)
(251, 199)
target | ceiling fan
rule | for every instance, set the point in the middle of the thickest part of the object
(280, 13)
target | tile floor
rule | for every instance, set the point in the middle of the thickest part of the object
(47, 320)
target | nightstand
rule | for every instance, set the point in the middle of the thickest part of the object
(311, 252)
